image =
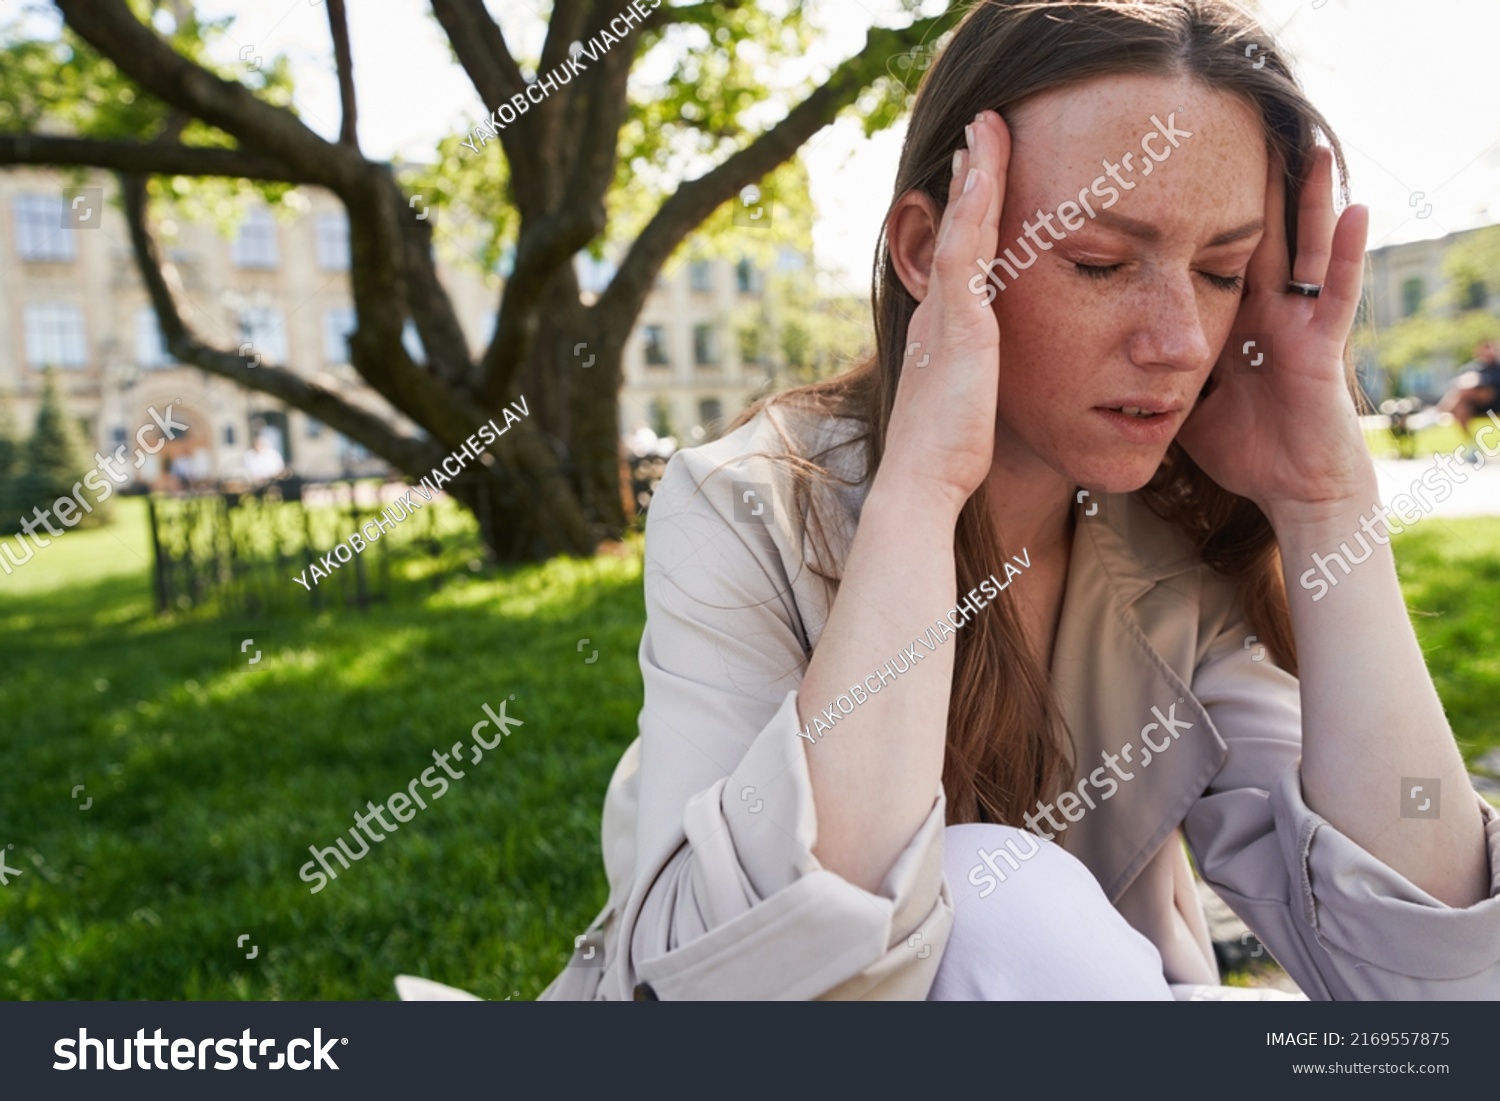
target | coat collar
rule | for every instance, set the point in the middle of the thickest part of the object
(1126, 649)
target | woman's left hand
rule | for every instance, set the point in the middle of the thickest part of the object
(1285, 432)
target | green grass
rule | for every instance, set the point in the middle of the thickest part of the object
(208, 784)
(1429, 441)
(1450, 572)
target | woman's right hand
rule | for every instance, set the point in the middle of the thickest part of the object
(941, 434)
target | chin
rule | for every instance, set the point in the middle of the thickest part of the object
(1122, 474)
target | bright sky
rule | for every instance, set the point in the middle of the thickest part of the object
(1412, 90)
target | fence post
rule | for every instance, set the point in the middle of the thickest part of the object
(160, 576)
(361, 591)
(307, 549)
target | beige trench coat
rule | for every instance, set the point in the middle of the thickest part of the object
(709, 820)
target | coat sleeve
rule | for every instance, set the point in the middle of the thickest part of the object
(1343, 924)
(727, 899)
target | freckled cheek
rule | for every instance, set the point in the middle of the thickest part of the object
(1062, 322)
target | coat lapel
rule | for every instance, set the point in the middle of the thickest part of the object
(1126, 644)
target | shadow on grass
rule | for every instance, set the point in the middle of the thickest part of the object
(210, 782)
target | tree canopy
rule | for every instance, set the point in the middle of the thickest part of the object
(649, 141)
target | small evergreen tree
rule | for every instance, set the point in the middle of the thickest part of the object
(54, 462)
(10, 472)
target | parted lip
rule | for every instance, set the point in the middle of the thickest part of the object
(1150, 405)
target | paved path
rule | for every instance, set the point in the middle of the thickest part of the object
(1479, 495)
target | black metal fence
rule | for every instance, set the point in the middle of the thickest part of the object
(243, 552)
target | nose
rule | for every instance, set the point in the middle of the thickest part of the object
(1170, 333)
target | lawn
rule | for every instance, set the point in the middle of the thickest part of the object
(1428, 441)
(208, 784)
(1450, 572)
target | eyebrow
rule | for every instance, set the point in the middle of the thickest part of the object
(1146, 231)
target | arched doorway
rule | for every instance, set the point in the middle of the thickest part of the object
(180, 462)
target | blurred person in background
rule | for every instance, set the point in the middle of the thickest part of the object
(1476, 391)
(263, 463)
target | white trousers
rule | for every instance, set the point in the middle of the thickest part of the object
(1031, 923)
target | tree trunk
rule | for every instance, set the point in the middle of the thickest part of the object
(556, 488)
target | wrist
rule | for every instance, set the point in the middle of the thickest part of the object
(915, 499)
(1357, 493)
(1290, 519)
(1305, 527)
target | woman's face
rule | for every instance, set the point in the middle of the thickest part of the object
(1137, 276)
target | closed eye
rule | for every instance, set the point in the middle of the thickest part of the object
(1097, 271)
(1104, 271)
(1224, 282)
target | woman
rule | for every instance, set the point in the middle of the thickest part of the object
(945, 658)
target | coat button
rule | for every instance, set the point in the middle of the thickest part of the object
(644, 993)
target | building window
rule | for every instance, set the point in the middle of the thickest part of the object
(655, 337)
(700, 276)
(229, 435)
(54, 335)
(332, 240)
(1476, 295)
(39, 229)
(350, 452)
(312, 428)
(150, 348)
(255, 244)
(746, 278)
(260, 327)
(710, 413)
(338, 325)
(705, 346)
(116, 436)
(750, 345)
(1412, 293)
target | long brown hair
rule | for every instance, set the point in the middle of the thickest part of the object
(1006, 742)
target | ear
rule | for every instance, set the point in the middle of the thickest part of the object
(911, 235)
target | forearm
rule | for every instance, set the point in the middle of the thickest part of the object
(875, 772)
(1372, 723)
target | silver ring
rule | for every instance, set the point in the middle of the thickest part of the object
(1311, 290)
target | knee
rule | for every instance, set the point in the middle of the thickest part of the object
(979, 859)
(1031, 921)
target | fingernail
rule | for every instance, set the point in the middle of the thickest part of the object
(958, 162)
(969, 135)
(970, 180)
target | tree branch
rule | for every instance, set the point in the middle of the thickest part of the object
(111, 28)
(338, 27)
(145, 157)
(408, 454)
(576, 220)
(431, 307)
(480, 47)
(697, 199)
(563, 29)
